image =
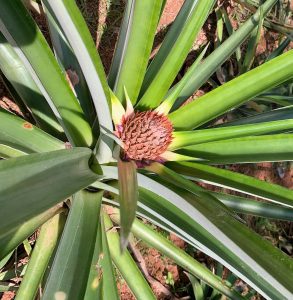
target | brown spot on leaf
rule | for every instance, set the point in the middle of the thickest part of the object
(27, 125)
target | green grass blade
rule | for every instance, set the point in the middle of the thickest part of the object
(155, 240)
(276, 147)
(234, 93)
(11, 240)
(134, 51)
(78, 35)
(255, 208)
(240, 182)
(188, 138)
(70, 269)
(21, 80)
(42, 180)
(163, 79)
(128, 198)
(68, 61)
(222, 53)
(23, 136)
(40, 257)
(23, 34)
(126, 265)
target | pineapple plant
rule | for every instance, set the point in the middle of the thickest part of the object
(88, 142)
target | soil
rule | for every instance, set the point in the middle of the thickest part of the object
(104, 28)
(8, 296)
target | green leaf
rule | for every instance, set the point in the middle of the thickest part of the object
(17, 99)
(42, 180)
(101, 280)
(179, 181)
(224, 253)
(255, 208)
(126, 265)
(68, 61)
(281, 100)
(242, 237)
(170, 39)
(27, 247)
(78, 35)
(10, 274)
(95, 277)
(234, 93)
(21, 31)
(128, 192)
(166, 74)
(109, 278)
(278, 51)
(8, 152)
(163, 245)
(188, 138)
(4, 260)
(196, 286)
(284, 113)
(220, 27)
(21, 80)
(71, 266)
(284, 30)
(167, 104)
(249, 149)
(236, 181)
(252, 44)
(15, 237)
(196, 220)
(23, 136)
(122, 43)
(4, 287)
(134, 47)
(222, 53)
(40, 257)
(230, 30)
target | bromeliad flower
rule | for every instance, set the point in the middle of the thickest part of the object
(146, 136)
